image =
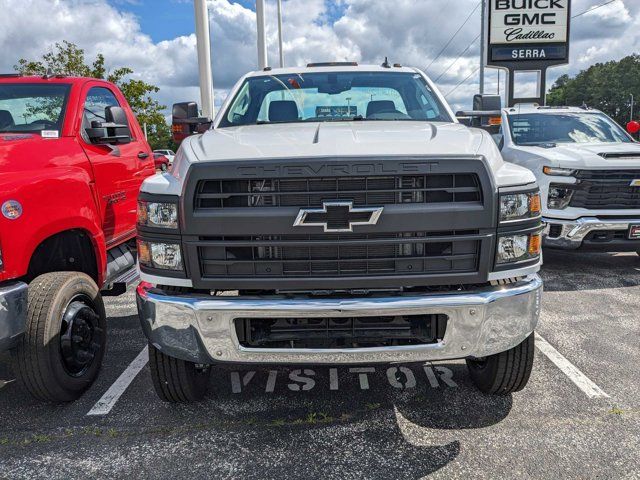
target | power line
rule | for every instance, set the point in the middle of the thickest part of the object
(454, 35)
(462, 82)
(458, 58)
(595, 7)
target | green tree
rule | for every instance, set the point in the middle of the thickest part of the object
(605, 86)
(68, 59)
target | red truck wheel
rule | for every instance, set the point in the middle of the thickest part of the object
(175, 380)
(60, 355)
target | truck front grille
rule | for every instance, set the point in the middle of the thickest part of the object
(311, 192)
(341, 332)
(327, 255)
(606, 190)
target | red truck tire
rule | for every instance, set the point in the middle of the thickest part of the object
(60, 354)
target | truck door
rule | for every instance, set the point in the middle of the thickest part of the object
(118, 170)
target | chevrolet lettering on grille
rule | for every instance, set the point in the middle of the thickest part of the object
(336, 217)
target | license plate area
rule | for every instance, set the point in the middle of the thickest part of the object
(634, 232)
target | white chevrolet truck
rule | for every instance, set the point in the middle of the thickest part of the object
(338, 214)
(588, 170)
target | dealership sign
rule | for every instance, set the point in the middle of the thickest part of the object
(528, 34)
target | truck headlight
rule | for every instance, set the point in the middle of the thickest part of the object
(559, 196)
(519, 206)
(164, 256)
(558, 172)
(518, 248)
(158, 214)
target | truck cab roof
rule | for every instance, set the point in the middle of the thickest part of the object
(524, 109)
(57, 79)
(336, 67)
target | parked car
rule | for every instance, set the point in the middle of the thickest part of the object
(160, 161)
(588, 169)
(167, 153)
(73, 157)
(338, 214)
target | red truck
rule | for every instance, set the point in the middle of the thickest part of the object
(72, 158)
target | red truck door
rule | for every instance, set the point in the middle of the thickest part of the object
(118, 172)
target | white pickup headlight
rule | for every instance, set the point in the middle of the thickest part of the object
(158, 214)
(558, 172)
(559, 196)
(164, 256)
(519, 206)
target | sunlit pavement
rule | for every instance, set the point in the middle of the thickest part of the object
(378, 421)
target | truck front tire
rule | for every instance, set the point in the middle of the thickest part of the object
(177, 381)
(60, 354)
(506, 372)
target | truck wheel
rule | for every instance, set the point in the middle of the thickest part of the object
(60, 355)
(506, 372)
(175, 380)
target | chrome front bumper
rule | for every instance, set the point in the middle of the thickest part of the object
(201, 328)
(574, 232)
(13, 312)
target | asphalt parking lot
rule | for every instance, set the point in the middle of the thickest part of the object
(579, 417)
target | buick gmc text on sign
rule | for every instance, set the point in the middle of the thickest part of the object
(528, 30)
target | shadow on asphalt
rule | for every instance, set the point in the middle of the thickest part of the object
(566, 271)
(294, 415)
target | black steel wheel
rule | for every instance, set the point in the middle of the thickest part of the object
(60, 355)
(81, 337)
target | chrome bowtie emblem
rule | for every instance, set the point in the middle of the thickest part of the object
(338, 216)
(635, 183)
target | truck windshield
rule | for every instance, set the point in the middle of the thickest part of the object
(32, 107)
(334, 97)
(541, 128)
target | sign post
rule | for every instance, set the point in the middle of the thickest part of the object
(528, 35)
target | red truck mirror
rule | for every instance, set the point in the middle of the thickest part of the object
(185, 121)
(113, 131)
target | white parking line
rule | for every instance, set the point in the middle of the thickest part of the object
(570, 370)
(109, 399)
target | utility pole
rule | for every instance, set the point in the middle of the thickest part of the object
(262, 35)
(280, 33)
(483, 42)
(631, 120)
(204, 58)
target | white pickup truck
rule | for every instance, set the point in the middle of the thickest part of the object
(588, 170)
(338, 214)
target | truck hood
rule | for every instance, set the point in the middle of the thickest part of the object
(337, 140)
(590, 155)
(326, 139)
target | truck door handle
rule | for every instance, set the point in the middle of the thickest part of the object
(143, 155)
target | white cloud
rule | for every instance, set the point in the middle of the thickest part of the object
(411, 32)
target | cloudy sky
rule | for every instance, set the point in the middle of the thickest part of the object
(155, 37)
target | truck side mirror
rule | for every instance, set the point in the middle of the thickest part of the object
(185, 121)
(486, 113)
(487, 102)
(114, 130)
